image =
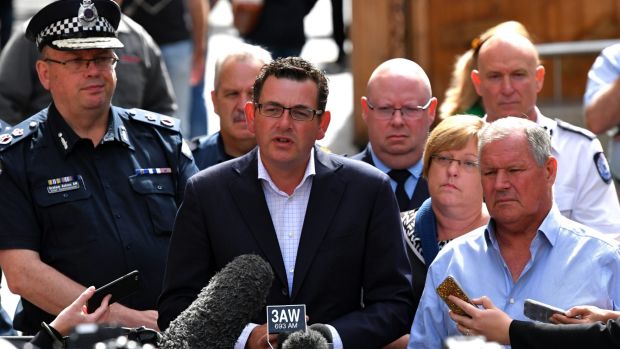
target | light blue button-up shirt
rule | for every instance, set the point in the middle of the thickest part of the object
(570, 265)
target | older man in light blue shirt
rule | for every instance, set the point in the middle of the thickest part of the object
(528, 250)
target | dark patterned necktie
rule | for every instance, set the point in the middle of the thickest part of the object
(401, 176)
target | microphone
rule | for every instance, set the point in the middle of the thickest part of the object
(310, 339)
(223, 308)
(318, 336)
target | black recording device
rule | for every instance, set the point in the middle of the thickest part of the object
(119, 289)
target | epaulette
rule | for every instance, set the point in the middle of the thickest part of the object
(22, 130)
(155, 119)
(575, 129)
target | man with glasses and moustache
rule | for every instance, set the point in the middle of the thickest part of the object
(89, 190)
(399, 109)
(321, 220)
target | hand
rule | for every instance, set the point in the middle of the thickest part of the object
(489, 322)
(124, 316)
(198, 66)
(76, 313)
(584, 314)
(258, 339)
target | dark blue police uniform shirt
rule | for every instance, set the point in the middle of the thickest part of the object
(94, 214)
(209, 151)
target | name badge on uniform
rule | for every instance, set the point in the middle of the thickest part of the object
(155, 170)
(62, 184)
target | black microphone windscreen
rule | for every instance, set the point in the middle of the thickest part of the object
(223, 308)
(305, 340)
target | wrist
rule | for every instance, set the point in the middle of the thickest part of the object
(57, 339)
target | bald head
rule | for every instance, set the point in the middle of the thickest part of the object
(509, 76)
(400, 68)
(398, 109)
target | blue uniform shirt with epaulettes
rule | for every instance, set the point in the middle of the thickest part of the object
(93, 213)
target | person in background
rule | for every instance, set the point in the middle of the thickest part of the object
(461, 97)
(455, 205)
(90, 190)
(508, 77)
(528, 249)
(183, 46)
(601, 102)
(597, 328)
(235, 72)
(143, 80)
(398, 110)
(321, 220)
(279, 27)
(6, 21)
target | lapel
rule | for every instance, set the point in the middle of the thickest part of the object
(248, 195)
(327, 190)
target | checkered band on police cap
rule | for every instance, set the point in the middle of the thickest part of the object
(76, 25)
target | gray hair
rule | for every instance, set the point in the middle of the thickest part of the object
(240, 52)
(537, 137)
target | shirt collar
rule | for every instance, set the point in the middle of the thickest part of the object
(264, 175)
(415, 169)
(65, 138)
(549, 228)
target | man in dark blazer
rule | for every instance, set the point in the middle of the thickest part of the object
(329, 226)
(398, 110)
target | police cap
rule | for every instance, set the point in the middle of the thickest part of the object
(76, 25)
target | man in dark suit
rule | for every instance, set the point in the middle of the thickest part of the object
(328, 225)
(399, 109)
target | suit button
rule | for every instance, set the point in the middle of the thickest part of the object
(285, 291)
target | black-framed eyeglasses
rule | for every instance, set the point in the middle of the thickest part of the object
(387, 112)
(299, 113)
(445, 161)
(81, 64)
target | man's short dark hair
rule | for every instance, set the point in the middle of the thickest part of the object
(293, 68)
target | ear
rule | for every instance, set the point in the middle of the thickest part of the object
(249, 116)
(475, 79)
(551, 167)
(540, 77)
(364, 102)
(323, 124)
(215, 104)
(432, 110)
(43, 71)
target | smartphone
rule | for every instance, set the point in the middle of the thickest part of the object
(539, 311)
(448, 287)
(119, 289)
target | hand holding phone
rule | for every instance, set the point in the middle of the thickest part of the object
(540, 311)
(119, 289)
(448, 287)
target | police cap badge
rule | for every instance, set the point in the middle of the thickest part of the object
(76, 25)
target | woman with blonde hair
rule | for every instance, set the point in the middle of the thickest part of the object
(461, 97)
(455, 205)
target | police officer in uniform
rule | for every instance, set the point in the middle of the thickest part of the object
(89, 190)
(509, 77)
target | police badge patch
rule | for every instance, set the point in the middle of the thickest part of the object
(602, 167)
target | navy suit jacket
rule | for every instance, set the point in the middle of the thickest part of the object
(351, 270)
(420, 193)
